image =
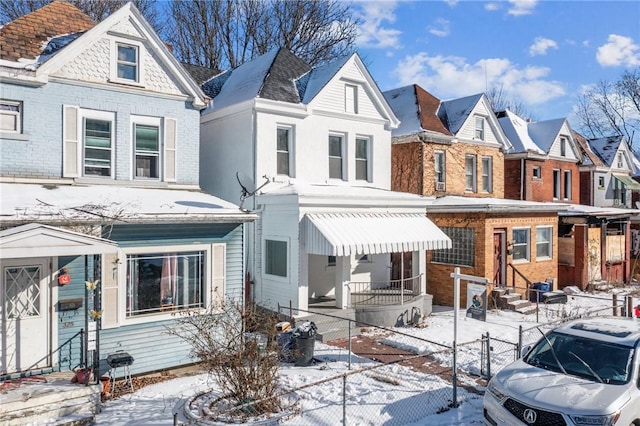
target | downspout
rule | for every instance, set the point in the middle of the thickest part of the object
(252, 280)
(522, 176)
(591, 191)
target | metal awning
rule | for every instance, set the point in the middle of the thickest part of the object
(344, 234)
(37, 240)
(627, 181)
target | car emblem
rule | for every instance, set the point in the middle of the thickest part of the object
(529, 416)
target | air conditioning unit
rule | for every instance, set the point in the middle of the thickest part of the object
(439, 186)
(616, 202)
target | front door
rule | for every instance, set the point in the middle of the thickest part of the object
(499, 267)
(24, 301)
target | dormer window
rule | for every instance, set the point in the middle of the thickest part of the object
(128, 61)
(563, 147)
(479, 128)
(351, 99)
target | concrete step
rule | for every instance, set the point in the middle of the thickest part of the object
(57, 402)
(519, 304)
(527, 310)
(334, 325)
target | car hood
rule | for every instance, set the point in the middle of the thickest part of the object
(560, 392)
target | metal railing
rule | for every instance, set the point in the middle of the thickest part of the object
(383, 292)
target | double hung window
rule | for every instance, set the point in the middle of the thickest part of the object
(147, 143)
(283, 151)
(362, 158)
(470, 172)
(521, 241)
(128, 62)
(10, 116)
(335, 156)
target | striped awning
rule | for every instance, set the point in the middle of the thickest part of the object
(628, 181)
(344, 234)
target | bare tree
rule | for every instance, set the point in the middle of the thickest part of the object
(224, 34)
(500, 102)
(612, 108)
(96, 9)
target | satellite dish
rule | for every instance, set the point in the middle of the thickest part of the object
(248, 186)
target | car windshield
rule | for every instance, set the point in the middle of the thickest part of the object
(587, 358)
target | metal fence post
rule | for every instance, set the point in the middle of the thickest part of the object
(344, 399)
(454, 402)
(349, 344)
(488, 356)
(519, 347)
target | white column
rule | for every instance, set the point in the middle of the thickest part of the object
(303, 280)
(343, 276)
(419, 267)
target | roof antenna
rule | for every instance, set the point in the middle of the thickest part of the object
(246, 188)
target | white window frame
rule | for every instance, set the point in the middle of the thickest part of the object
(289, 152)
(287, 242)
(15, 115)
(151, 122)
(563, 146)
(526, 244)
(367, 160)
(479, 128)
(440, 176)
(601, 182)
(470, 172)
(537, 172)
(140, 54)
(548, 243)
(85, 114)
(487, 174)
(343, 143)
(567, 184)
(557, 178)
(159, 316)
(351, 99)
(620, 161)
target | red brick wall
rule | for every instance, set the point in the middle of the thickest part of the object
(539, 189)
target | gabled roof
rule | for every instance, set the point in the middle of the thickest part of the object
(311, 84)
(269, 76)
(516, 130)
(416, 109)
(28, 36)
(589, 158)
(455, 112)
(606, 148)
(199, 73)
(544, 133)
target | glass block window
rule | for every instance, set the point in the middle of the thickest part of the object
(462, 247)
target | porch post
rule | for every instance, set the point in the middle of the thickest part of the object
(419, 268)
(343, 276)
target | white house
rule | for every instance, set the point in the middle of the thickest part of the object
(316, 145)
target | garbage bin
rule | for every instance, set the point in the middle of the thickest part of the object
(304, 338)
(285, 346)
(538, 289)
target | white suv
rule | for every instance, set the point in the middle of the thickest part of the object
(585, 372)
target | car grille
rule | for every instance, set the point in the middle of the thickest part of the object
(543, 418)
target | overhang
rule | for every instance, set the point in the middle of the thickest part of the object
(344, 234)
(627, 181)
(36, 240)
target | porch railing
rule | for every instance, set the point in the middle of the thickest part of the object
(394, 292)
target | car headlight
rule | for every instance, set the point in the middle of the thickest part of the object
(493, 390)
(596, 420)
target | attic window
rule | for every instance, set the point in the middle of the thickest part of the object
(479, 129)
(563, 147)
(351, 99)
(128, 61)
(620, 161)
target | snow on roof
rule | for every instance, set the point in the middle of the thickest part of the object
(459, 203)
(404, 103)
(244, 82)
(606, 148)
(55, 203)
(582, 210)
(320, 76)
(455, 112)
(516, 130)
(544, 133)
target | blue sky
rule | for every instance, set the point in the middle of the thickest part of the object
(543, 53)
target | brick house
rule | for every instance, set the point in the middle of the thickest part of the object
(454, 150)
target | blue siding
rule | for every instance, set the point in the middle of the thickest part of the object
(140, 235)
(151, 346)
(40, 155)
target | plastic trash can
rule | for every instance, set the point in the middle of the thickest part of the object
(285, 346)
(538, 289)
(304, 338)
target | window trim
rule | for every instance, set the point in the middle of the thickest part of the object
(273, 277)
(343, 140)
(548, 243)
(140, 52)
(601, 182)
(443, 163)
(351, 98)
(289, 152)
(620, 161)
(151, 122)
(160, 316)
(18, 116)
(83, 114)
(473, 174)
(489, 173)
(479, 132)
(367, 159)
(567, 184)
(557, 184)
(527, 244)
(537, 172)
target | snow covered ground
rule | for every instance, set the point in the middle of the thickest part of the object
(375, 397)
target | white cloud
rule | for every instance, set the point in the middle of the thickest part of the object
(541, 45)
(451, 3)
(452, 77)
(372, 33)
(441, 29)
(522, 7)
(492, 7)
(619, 50)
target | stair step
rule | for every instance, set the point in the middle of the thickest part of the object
(527, 310)
(508, 298)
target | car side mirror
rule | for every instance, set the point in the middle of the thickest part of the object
(525, 350)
